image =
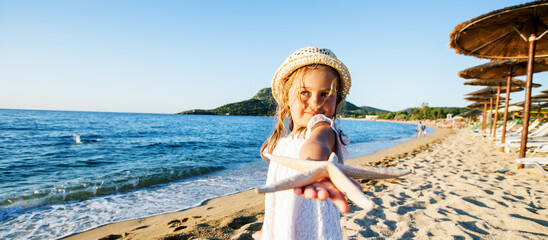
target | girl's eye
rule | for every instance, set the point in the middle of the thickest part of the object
(304, 93)
(325, 94)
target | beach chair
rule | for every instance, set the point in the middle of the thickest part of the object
(539, 129)
(535, 162)
(508, 127)
(540, 148)
(516, 133)
(508, 146)
(535, 139)
(530, 128)
(539, 133)
(498, 130)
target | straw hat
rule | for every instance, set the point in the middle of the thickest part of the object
(309, 56)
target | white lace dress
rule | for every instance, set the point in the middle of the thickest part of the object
(288, 216)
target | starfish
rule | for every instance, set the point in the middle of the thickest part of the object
(314, 171)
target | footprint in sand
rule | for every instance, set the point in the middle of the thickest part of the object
(179, 228)
(111, 237)
(462, 212)
(471, 226)
(238, 222)
(177, 224)
(488, 191)
(476, 202)
(141, 227)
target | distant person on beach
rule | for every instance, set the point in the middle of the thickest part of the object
(420, 129)
(308, 87)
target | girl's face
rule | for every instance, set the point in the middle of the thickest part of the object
(317, 94)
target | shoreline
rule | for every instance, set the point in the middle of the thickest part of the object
(234, 215)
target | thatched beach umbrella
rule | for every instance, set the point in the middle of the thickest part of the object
(500, 70)
(498, 82)
(542, 106)
(476, 105)
(481, 98)
(495, 82)
(540, 101)
(494, 90)
(471, 113)
(483, 112)
(540, 96)
(537, 100)
(489, 98)
(511, 33)
(474, 112)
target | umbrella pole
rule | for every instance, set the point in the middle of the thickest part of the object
(506, 101)
(496, 112)
(527, 106)
(491, 114)
(484, 119)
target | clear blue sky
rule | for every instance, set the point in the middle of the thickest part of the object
(170, 56)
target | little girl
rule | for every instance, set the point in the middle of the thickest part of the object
(309, 87)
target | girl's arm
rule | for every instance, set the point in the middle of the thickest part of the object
(319, 146)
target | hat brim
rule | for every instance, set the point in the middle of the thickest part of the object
(292, 64)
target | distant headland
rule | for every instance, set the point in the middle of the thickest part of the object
(263, 104)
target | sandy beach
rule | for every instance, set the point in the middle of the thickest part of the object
(453, 193)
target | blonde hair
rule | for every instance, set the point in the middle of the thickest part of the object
(283, 112)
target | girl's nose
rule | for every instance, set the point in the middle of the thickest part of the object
(314, 100)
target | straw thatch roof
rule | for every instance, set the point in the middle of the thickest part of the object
(503, 34)
(481, 97)
(501, 69)
(493, 90)
(497, 82)
(473, 112)
(476, 105)
(539, 96)
(535, 101)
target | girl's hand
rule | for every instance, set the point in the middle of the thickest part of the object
(320, 145)
(322, 191)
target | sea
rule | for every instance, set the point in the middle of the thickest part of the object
(64, 172)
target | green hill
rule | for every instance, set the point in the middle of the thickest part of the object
(251, 107)
(372, 109)
(263, 104)
(348, 106)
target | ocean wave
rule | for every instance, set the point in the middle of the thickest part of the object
(189, 144)
(200, 145)
(108, 185)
